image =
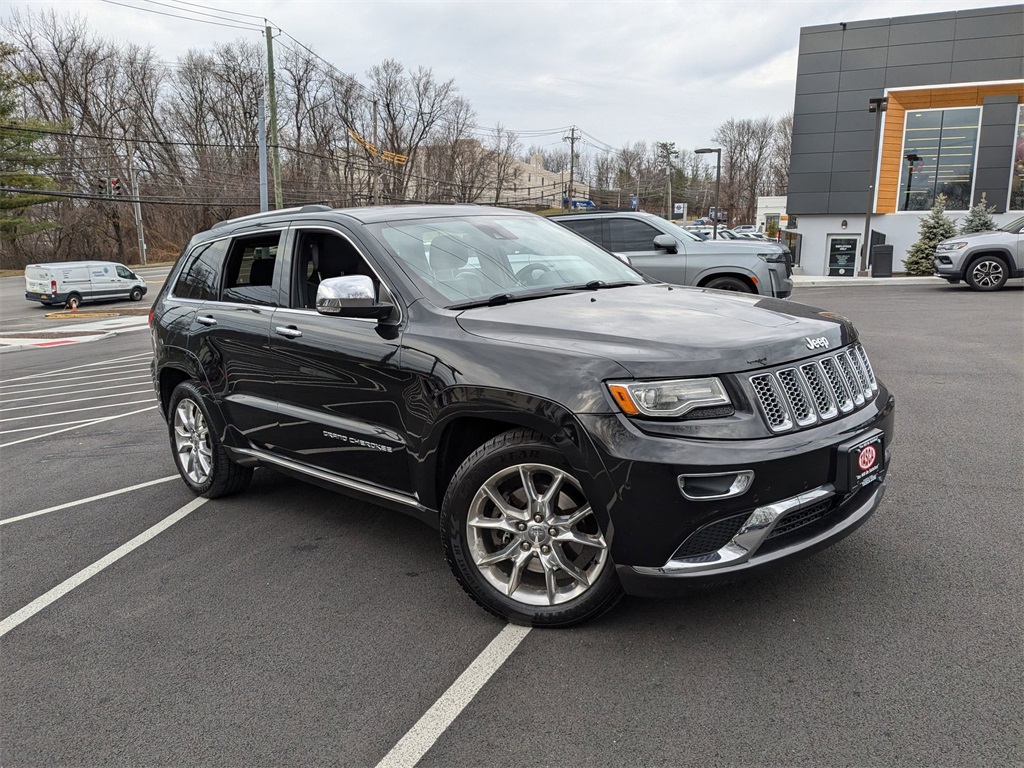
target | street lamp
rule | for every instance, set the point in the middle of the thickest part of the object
(718, 182)
(911, 159)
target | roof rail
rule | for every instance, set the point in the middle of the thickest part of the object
(312, 208)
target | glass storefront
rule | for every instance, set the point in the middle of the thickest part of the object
(1017, 174)
(939, 146)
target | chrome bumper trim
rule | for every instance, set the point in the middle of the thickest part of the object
(744, 545)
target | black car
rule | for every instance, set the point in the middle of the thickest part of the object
(574, 429)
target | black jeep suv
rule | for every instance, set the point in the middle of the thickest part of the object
(574, 429)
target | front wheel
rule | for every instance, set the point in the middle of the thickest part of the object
(729, 284)
(987, 273)
(201, 459)
(521, 537)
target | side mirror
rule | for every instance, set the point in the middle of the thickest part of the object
(351, 296)
(666, 243)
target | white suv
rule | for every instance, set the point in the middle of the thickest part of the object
(986, 260)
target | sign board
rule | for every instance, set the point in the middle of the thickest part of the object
(679, 210)
(842, 256)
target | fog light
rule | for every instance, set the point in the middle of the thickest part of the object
(719, 485)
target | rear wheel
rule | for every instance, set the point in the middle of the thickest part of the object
(521, 537)
(74, 301)
(198, 453)
(729, 284)
(136, 294)
(987, 273)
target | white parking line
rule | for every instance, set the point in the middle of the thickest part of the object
(79, 381)
(47, 414)
(77, 426)
(107, 495)
(37, 427)
(131, 360)
(421, 737)
(146, 391)
(61, 394)
(87, 573)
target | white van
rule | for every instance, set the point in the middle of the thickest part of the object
(69, 283)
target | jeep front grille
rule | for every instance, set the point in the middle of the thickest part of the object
(817, 391)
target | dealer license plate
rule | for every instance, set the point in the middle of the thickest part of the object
(861, 460)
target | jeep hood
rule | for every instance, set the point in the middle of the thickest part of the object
(659, 330)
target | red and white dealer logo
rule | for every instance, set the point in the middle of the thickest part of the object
(866, 459)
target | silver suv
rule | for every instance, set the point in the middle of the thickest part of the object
(986, 260)
(669, 253)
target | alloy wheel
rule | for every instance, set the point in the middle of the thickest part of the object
(192, 442)
(987, 273)
(534, 537)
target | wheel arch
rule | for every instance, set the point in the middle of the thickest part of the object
(1002, 253)
(751, 281)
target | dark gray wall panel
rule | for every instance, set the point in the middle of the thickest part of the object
(812, 63)
(861, 79)
(823, 123)
(993, 69)
(996, 135)
(809, 182)
(989, 26)
(982, 48)
(811, 162)
(921, 32)
(850, 161)
(920, 53)
(866, 37)
(852, 181)
(811, 103)
(928, 74)
(860, 120)
(864, 58)
(854, 141)
(806, 202)
(994, 184)
(995, 157)
(855, 101)
(821, 41)
(814, 142)
(826, 82)
(847, 202)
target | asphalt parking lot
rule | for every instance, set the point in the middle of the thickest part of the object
(293, 626)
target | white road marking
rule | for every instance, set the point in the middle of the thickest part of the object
(107, 495)
(421, 737)
(106, 388)
(132, 359)
(37, 427)
(47, 414)
(88, 572)
(77, 426)
(146, 391)
(77, 382)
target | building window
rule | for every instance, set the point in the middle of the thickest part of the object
(938, 158)
(1017, 175)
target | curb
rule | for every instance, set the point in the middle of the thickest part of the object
(16, 344)
(823, 281)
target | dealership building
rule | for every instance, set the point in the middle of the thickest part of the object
(951, 90)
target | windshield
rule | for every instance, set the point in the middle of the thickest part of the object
(458, 260)
(1014, 226)
(675, 230)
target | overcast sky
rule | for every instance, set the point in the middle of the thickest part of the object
(621, 71)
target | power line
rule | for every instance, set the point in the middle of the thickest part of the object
(200, 13)
(176, 16)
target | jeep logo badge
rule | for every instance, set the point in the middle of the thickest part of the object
(818, 343)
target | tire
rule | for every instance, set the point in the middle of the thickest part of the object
(74, 301)
(987, 273)
(136, 294)
(198, 453)
(728, 284)
(550, 570)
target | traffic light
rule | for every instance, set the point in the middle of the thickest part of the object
(116, 187)
(103, 185)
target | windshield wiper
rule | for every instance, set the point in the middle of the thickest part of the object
(596, 285)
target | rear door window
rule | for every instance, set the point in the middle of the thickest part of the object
(628, 235)
(200, 277)
(589, 228)
(251, 275)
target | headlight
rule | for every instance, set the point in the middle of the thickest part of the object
(773, 258)
(951, 246)
(667, 399)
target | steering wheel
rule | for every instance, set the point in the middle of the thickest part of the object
(526, 274)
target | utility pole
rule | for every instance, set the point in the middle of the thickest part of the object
(273, 118)
(877, 106)
(375, 172)
(262, 139)
(572, 138)
(136, 206)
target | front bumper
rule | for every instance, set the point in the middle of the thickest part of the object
(798, 501)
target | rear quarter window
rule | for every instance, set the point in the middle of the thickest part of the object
(200, 276)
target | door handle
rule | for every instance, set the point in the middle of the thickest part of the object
(289, 332)
(206, 320)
